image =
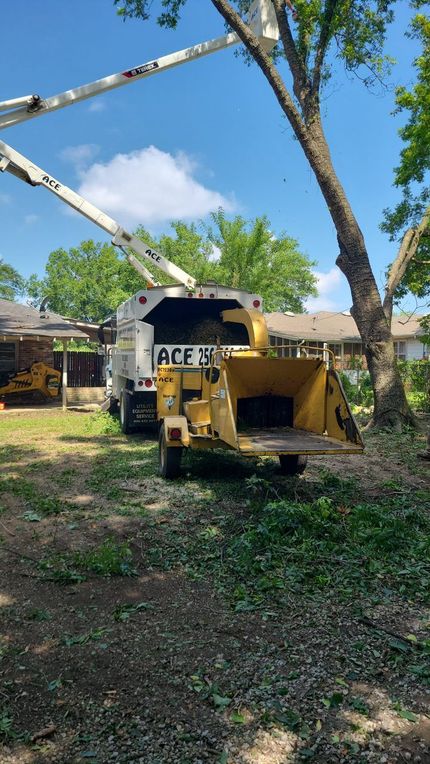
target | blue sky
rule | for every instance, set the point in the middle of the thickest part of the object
(184, 141)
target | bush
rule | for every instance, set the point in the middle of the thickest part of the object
(416, 378)
(360, 394)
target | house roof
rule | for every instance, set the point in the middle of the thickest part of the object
(24, 321)
(335, 327)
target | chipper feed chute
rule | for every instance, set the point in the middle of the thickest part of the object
(255, 404)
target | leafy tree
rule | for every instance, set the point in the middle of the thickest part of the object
(11, 283)
(411, 217)
(312, 41)
(188, 249)
(86, 282)
(252, 258)
(244, 255)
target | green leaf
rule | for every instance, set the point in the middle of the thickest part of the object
(237, 718)
(31, 517)
(220, 701)
(409, 715)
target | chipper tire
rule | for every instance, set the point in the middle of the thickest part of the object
(169, 458)
(293, 464)
(125, 416)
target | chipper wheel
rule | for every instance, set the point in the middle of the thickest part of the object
(169, 458)
(293, 464)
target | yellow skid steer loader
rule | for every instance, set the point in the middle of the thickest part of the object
(39, 378)
(253, 403)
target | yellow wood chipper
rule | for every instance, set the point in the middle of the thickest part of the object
(38, 379)
(256, 404)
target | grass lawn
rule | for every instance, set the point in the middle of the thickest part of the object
(234, 616)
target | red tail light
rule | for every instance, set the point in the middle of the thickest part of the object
(256, 303)
(175, 433)
(148, 382)
(142, 300)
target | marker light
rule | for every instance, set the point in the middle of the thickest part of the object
(148, 382)
(142, 300)
(256, 303)
(174, 433)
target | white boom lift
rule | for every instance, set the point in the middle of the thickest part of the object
(261, 19)
(17, 164)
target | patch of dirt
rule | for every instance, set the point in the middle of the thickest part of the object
(157, 668)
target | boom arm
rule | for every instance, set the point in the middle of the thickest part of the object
(262, 20)
(18, 165)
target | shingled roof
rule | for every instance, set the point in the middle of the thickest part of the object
(24, 321)
(335, 327)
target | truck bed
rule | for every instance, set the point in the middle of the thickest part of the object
(287, 440)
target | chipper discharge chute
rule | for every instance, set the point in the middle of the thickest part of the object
(255, 404)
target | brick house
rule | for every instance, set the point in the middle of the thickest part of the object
(338, 332)
(27, 335)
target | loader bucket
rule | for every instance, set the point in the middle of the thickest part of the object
(282, 406)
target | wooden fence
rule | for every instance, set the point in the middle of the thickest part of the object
(83, 369)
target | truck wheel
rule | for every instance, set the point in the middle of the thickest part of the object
(169, 458)
(125, 412)
(293, 464)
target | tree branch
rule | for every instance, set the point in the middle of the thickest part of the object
(257, 52)
(322, 44)
(301, 84)
(407, 251)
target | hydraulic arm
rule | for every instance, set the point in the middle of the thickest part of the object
(17, 164)
(261, 19)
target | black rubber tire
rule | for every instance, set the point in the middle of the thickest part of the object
(169, 459)
(293, 464)
(125, 403)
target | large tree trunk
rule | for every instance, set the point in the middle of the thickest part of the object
(391, 407)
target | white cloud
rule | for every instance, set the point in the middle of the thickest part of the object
(97, 106)
(332, 294)
(30, 219)
(150, 186)
(80, 155)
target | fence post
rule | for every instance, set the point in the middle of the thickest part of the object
(64, 376)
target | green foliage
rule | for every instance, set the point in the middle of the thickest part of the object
(109, 559)
(90, 281)
(242, 254)
(86, 282)
(354, 29)
(416, 377)
(11, 283)
(360, 394)
(412, 174)
(253, 258)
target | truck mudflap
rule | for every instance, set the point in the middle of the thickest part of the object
(143, 410)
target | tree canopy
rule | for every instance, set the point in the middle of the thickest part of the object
(86, 282)
(242, 254)
(11, 283)
(90, 281)
(412, 176)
